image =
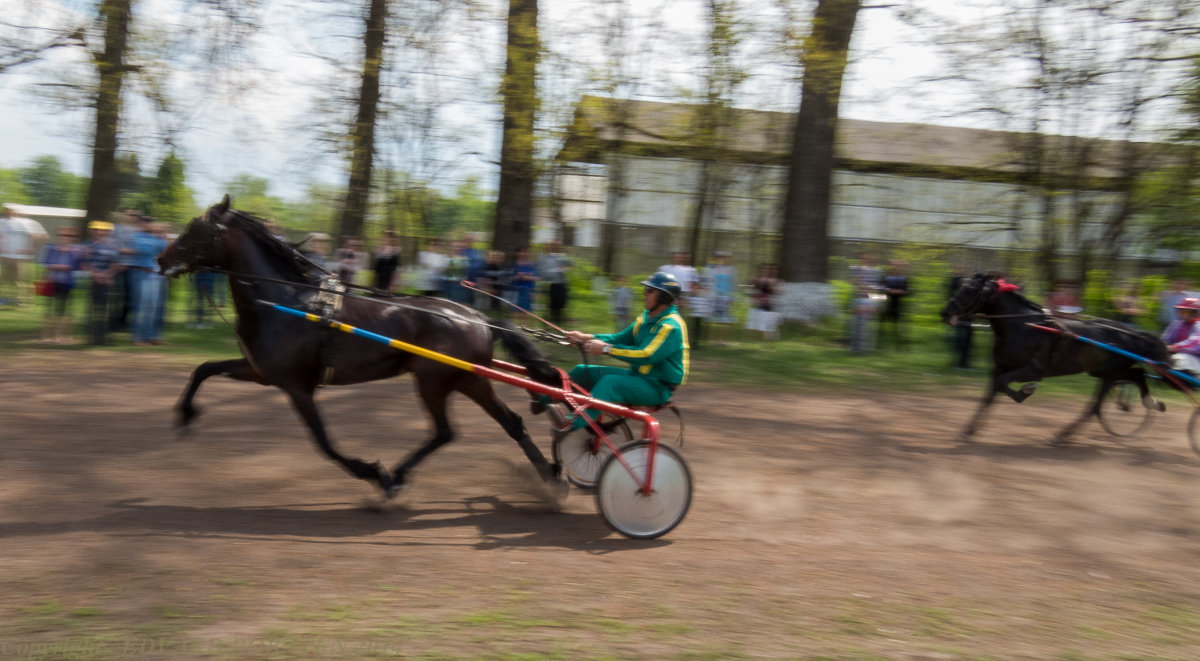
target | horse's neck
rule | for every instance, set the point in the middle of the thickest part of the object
(1009, 311)
(260, 267)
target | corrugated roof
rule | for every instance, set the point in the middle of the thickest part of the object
(44, 212)
(766, 136)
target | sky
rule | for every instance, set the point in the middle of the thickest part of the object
(261, 140)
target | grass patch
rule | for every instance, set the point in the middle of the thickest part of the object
(807, 359)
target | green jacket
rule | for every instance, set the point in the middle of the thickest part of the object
(656, 347)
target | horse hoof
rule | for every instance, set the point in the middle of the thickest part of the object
(1058, 441)
(393, 491)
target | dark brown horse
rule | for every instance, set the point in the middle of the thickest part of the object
(297, 356)
(1021, 353)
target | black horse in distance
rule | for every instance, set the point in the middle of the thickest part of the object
(1025, 354)
(297, 356)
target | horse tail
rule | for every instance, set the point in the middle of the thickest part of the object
(525, 353)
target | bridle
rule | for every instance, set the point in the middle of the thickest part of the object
(190, 256)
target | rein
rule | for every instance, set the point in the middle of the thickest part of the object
(536, 334)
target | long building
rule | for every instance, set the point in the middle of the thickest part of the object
(651, 169)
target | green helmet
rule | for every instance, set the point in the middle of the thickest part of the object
(665, 283)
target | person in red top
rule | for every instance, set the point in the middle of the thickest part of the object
(1183, 336)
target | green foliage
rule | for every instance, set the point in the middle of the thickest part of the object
(1170, 203)
(11, 188)
(470, 210)
(251, 194)
(47, 184)
(316, 213)
(167, 195)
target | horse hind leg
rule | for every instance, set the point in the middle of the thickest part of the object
(482, 393)
(1149, 401)
(1063, 436)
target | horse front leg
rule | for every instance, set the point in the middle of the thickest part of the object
(302, 401)
(237, 368)
(989, 396)
(1027, 373)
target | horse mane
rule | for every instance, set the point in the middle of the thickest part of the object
(1025, 301)
(254, 226)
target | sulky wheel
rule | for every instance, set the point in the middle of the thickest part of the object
(629, 511)
(581, 456)
(1122, 413)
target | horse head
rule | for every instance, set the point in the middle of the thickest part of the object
(199, 245)
(973, 295)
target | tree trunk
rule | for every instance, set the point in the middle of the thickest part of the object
(804, 248)
(514, 204)
(362, 154)
(102, 190)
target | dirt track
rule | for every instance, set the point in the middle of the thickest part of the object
(849, 527)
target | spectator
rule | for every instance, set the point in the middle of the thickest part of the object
(476, 259)
(700, 305)
(458, 268)
(1169, 299)
(1128, 307)
(203, 283)
(349, 260)
(620, 297)
(865, 282)
(387, 263)
(123, 301)
(493, 279)
(723, 278)
(524, 280)
(275, 230)
(552, 269)
(1064, 299)
(895, 288)
(431, 265)
(762, 315)
(315, 247)
(18, 238)
(681, 267)
(61, 260)
(149, 287)
(102, 262)
(963, 331)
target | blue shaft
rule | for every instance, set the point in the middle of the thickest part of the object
(382, 339)
(1142, 359)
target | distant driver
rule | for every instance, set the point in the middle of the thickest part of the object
(1183, 336)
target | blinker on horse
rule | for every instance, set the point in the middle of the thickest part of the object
(1021, 353)
(297, 357)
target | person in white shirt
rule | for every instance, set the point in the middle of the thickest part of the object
(431, 263)
(19, 237)
(685, 273)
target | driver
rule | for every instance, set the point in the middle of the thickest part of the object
(1183, 336)
(655, 345)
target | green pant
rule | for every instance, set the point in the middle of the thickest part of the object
(619, 386)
